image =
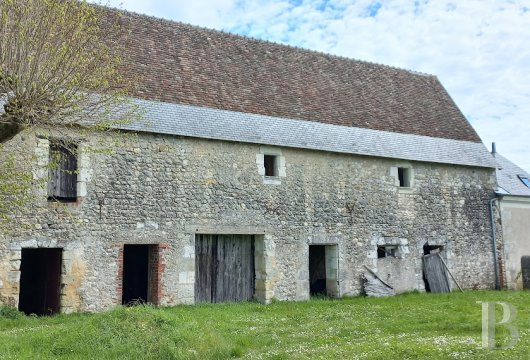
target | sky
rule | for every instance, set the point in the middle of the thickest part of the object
(478, 49)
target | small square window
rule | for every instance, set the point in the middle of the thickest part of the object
(386, 251)
(270, 164)
(525, 180)
(404, 177)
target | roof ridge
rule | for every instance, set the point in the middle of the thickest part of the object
(239, 36)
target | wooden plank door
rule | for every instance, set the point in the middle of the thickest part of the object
(205, 248)
(435, 274)
(62, 183)
(224, 268)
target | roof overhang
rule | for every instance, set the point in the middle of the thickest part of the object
(208, 123)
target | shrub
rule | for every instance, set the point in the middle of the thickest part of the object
(10, 312)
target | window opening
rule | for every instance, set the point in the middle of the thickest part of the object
(386, 251)
(525, 180)
(62, 184)
(269, 162)
(404, 177)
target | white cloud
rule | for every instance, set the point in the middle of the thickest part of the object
(480, 50)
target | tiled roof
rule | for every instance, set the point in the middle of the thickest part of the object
(192, 121)
(184, 64)
(507, 177)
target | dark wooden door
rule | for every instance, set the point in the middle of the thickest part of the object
(224, 268)
(435, 275)
(40, 281)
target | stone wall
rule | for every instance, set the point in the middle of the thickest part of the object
(156, 189)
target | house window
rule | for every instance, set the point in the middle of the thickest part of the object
(62, 183)
(270, 164)
(404, 177)
(386, 251)
(525, 180)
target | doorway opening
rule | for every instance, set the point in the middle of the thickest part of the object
(317, 270)
(432, 249)
(140, 274)
(428, 250)
(323, 270)
(40, 281)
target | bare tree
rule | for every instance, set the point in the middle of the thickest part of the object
(60, 69)
(58, 65)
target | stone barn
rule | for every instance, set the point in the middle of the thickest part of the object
(259, 171)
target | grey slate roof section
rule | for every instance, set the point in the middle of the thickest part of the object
(507, 179)
(192, 121)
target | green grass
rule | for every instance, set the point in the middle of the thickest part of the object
(410, 326)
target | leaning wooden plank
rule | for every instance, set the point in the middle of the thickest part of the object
(450, 273)
(375, 286)
(374, 274)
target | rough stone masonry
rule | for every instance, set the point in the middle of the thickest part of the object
(163, 190)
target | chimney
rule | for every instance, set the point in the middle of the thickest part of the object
(493, 148)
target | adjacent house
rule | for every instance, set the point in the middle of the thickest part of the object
(259, 171)
(513, 195)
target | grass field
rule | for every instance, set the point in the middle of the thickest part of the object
(410, 326)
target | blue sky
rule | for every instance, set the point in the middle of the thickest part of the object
(479, 49)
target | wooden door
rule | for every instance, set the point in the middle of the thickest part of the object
(40, 281)
(435, 274)
(224, 268)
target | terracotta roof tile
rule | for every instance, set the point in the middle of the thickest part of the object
(185, 64)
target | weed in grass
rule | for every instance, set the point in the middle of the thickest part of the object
(10, 312)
